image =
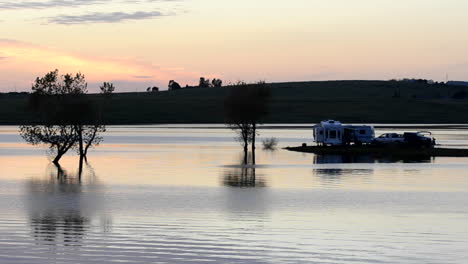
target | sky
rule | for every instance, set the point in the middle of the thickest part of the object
(141, 43)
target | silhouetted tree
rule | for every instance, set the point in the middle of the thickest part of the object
(107, 88)
(173, 85)
(245, 107)
(60, 138)
(204, 83)
(50, 100)
(84, 116)
(66, 118)
(152, 89)
(53, 84)
(216, 83)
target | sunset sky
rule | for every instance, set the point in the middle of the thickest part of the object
(135, 44)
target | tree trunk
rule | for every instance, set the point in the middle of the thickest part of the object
(253, 180)
(79, 130)
(58, 157)
(80, 168)
(60, 172)
(246, 152)
(254, 134)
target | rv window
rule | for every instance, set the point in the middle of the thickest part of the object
(321, 133)
(362, 132)
(332, 134)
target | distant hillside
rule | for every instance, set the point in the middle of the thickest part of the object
(301, 102)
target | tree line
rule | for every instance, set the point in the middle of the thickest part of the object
(203, 83)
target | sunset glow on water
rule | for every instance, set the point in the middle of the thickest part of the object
(180, 196)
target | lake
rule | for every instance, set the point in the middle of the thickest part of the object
(178, 194)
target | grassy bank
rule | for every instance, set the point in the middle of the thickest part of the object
(305, 102)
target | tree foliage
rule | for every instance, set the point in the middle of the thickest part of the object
(204, 83)
(245, 106)
(54, 84)
(65, 117)
(217, 83)
(59, 138)
(173, 85)
(107, 88)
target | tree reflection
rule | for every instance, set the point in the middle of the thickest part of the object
(61, 205)
(247, 201)
(243, 177)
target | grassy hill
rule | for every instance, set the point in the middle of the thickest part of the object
(302, 102)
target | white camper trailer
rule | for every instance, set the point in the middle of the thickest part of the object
(328, 132)
(333, 133)
(358, 134)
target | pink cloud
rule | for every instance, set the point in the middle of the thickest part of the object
(22, 62)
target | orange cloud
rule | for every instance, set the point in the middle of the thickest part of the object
(21, 63)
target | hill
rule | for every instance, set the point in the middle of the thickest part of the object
(300, 102)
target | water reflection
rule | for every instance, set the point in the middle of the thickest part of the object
(247, 201)
(61, 206)
(243, 177)
(333, 175)
(334, 169)
(369, 158)
(336, 173)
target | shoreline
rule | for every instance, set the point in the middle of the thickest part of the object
(381, 152)
(280, 126)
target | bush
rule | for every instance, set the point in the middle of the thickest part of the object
(270, 143)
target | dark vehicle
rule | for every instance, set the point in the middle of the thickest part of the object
(419, 139)
(389, 138)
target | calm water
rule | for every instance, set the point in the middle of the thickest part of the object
(169, 194)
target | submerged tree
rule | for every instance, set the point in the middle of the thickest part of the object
(86, 120)
(60, 138)
(65, 117)
(246, 105)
